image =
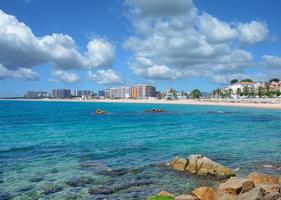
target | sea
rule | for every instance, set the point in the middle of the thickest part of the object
(63, 150)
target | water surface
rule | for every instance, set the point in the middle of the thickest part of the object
(61, 150)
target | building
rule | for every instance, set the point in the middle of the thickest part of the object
(275, 86)
(145, 91)
(134, 92)
(81, 93)
(61, 94)
(122, 92)
(36, 95)
(101, 93)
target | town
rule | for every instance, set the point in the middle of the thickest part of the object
(246, 88)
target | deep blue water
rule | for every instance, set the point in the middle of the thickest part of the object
(61, 150)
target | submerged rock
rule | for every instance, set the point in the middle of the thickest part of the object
(51, 188)
(80, 181)
(5, 195)
(25, 189)
(36, 179)
(200, 165)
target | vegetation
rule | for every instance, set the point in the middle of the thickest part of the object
(258, 91)
(160, 197)
(247, 80)
(196, 94)
(233, 81)
(274, 80)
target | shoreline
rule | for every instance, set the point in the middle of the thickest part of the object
(273, 104)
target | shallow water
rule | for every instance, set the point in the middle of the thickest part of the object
(61, 150)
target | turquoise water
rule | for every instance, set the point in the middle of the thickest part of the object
(61, 150)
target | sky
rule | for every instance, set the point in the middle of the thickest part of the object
(99, 44)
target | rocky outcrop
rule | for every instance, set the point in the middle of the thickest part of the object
(100, 112)
(260, 178)
(235, 186)
(200, 165)
(154, 110)
(205, 193)
(254, 194)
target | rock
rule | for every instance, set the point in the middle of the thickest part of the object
(235, 186)
(260, 178)
(201, 165)
(36, 179)
(24, 189)
(154, 110)
(5, 195)
(279, 180)
(165, 193)
(54, 171)
(100, 112)
(270, 187)
(51, 188)
(106, 190)
(179, 164)
(205, 193)
(79, 181)
(186, 197)
(254, 194)
(221, 195)
(272, 196)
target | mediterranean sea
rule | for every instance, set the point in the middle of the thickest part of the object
(62, 150)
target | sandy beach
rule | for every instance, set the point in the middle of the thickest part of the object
(247, 103)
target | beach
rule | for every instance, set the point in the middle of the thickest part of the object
(246, 103)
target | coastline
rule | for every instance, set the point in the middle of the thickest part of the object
(274, 104)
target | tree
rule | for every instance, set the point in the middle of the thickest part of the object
(233, 81)
(196, 94)
(247, 80)
(274, 80)
(239, 91)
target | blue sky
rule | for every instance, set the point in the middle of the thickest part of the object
(98, 44)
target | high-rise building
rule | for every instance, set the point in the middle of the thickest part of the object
(101, 93)
(134, 92)
(81, 93)
(120, 92)
(36, 95)
(145, 91)
(61, 93)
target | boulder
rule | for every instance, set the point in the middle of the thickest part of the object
(260, 178)
(205, 193)
(165, 193)
(272, 196)
(279, 180)
(270, 187)
(186, 197)
(201, 165)
(254, 194)
(235, 186)
(100, 112)
(179, 164)
(221, 195)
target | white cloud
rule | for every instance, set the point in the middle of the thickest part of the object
(67, 77)
(253, 32)
(20, 73)
(271, 61)
(188, 43)
(20, 48)
(105, 77)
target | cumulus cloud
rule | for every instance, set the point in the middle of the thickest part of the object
(253, 32)
(105, 77)
(67, 77)
(182, 44)
(271, 61)
(20, 48)
(20, 73)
